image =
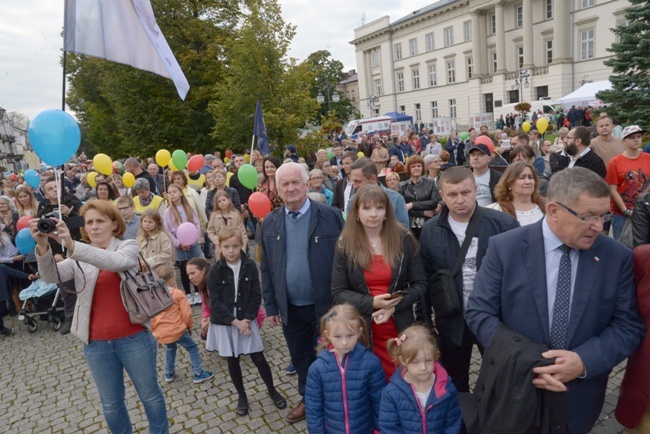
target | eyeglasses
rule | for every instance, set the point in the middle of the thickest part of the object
(125, 208)
(591, 219)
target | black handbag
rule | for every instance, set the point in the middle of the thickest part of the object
(443, 291)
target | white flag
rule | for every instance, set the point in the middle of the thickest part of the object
(122, 31)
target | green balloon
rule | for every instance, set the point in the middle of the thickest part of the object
(247, 175)
(464, 135)
(179, 158)
(330, 155)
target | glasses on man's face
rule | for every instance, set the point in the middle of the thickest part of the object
(591, 219)
(125, 208)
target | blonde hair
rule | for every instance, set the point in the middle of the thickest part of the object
(219, 194)
(165, 272)
(108, 210)
(32, 200)
(229, 232)
(404, 348)
(347, 315)
(154, 215)
(189, 211)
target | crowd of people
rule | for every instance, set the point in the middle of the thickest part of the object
(385, 261)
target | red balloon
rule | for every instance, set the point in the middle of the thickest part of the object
(195, 163)
(228, 153)
(259, 204)
(23, 222)
(485, 140)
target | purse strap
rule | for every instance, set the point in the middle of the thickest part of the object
(471, 230)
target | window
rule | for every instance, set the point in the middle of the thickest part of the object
(470, 67)
(449, 36)
(398, 51)
(587, 44)
(587, 3)
(549, 9)
(378, 87)
(400, 82)
(494, 62)
(374, 55)
(434, 109)
(353, 97)
(549, 51)
(520, 16)
(418, 112)
(520, 57)
(402, 109)
(452, 108)
(413, 47)
(415, 73)
(433, 80)
(493, 24)
(467, 30)
(428, 38)
(451, 72)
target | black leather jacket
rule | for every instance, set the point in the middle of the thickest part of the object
(641, 220)
(424, 196)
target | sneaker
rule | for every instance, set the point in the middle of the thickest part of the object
(190, 298)
(170, 377)
(291, 370)
(197, 298)
(65, 327)
(203, 376)
(7, 332)
(21, 317)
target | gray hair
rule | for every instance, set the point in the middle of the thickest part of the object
(303, 172)
(317, 197)
(316, 172)
(10, 202)
(141, 184)
(568, 185)
(429, 158)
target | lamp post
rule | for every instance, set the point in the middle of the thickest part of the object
(335, 96)
(523, 80)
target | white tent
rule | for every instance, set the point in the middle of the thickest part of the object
(586, 94)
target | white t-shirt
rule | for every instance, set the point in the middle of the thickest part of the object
(483, 193)
(423, 398)
(469, 266)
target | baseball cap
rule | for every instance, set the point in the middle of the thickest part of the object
(291, 148)
(480, 147)
(631, 129)
(208, 157)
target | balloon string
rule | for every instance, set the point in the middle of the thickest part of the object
(58, 197)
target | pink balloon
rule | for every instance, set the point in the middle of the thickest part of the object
(388, 170)
(195, 163)
(187, 234)
(23, 222)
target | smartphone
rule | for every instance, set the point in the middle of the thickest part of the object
(397, 294)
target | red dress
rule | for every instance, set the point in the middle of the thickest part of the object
(378, 278)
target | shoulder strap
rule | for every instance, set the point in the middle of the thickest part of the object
(471, 230)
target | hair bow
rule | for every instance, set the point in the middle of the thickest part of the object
(400, 339)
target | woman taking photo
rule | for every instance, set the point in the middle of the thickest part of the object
(420, 194)
(112, 343)
(456, 149)
(517, 194)
(377, 269)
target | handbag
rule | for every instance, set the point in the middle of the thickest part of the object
(144, 294)
(443, 291)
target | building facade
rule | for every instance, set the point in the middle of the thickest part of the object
(13, 143)
(460, 58)
(349, 87)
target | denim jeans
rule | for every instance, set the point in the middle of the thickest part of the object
(107, 361)
(188, 343)
(186, 255)
(618, 221)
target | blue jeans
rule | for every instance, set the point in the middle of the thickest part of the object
(618, 221)
(186, 255)
(188, 343)
(107, 361)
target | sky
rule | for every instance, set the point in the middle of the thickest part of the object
(31, 42)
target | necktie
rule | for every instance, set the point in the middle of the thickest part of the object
(560, 325)
(294, 214)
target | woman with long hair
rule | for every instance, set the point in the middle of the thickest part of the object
(266, 184)
(377, 269)
(193, 198)
(225, 214)
(220, 178)
(26, 203)
(517, 194)
(8, 216)
(197, 271)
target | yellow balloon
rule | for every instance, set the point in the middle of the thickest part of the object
(162, 157)
(361, 154)
(128, 179)
(91, 179)
(226, 160)
(247, 158)
(171, 166)
(542, 125)
(525, 126)
(228, 176)
(103, 164)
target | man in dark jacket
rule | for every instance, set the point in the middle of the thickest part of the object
(402, 149)
(295, 295)
(577, 152)
(440, 242)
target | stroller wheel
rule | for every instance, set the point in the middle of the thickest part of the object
(32, 326)
(56, 323)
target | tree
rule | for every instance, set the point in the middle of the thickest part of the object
(19, 120)
(630, 94)
(258, 69)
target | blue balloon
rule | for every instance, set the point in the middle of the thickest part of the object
(25, 242)
(54, 136)
(32, 178)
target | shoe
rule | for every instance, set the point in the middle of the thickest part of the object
(190, 298)
(170, 377)
(278, 400)
(197, 299)
(7, 332)
(291, 370)
(65, 327)
(297, 414)
(242, 406)
(203, 376)
(21, 317)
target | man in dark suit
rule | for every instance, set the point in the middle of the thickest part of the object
(559, 282)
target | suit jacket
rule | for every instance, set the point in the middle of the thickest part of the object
(604, 325)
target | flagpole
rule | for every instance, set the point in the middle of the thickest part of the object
(252, 145)
(65, 14)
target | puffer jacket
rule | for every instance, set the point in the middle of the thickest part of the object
(344, 397)
(400, 410)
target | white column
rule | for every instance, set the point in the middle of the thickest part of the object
(561, 38)
(500, 38)
(476, 44)
(528, 32)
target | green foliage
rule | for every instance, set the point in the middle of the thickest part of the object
(630, 96)
(311, 142)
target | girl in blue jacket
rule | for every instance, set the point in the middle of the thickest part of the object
(420, 397)
(344, 384)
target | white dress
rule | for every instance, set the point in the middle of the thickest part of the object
(227, 340)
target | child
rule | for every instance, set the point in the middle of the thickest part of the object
(235, 296)
(224, 215)
(344, 384)
(420, 397)
(174, 326)
(155, 245)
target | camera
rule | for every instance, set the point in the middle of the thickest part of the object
(47, 225)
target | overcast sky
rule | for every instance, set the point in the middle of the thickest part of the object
(31, 42)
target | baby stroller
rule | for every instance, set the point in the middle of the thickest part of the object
(44, 304)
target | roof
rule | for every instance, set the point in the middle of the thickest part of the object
(349, 78)
(425, 10)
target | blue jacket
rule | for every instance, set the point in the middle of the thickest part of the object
(345, 402)
(325, 227)
(402, 150)
(400, 410)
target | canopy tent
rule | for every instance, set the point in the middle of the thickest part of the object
(398, 117)
(586, 94)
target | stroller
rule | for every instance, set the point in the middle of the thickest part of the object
(44, 304)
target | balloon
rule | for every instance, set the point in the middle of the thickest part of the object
(195, 163)
(162, 157)
(361, 154)
(226, 160)
(228, 153)
(247, 158)
(330, 155)
(259, 204)
(171, 166)
(464, 135)
(247, 176)
(542, 125)
(54, 136)
(25, 242)
(388, 170)
(103, 164)
(32, 178)
(485, 140)
(525, 126)
(179, 158)
(187, 234)
(91, 179)
(118, 167)
(23, 222)
(228, 176)
(128, 179)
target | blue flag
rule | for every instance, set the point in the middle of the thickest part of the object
(259, 131)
